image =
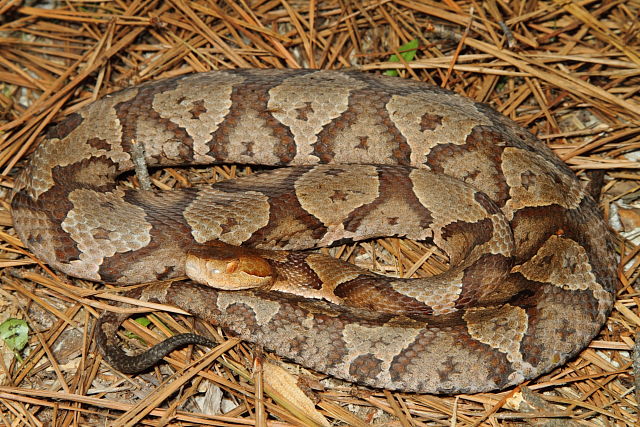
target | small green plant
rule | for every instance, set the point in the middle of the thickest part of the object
(142, 321)
(407, 51)
(15, 334)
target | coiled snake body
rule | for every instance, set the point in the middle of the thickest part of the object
(532, 263)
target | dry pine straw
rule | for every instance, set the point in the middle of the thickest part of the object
(566, 70)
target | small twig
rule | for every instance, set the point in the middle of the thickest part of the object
(458, 49)
(636, 367)
(511, 41)
(140, 164)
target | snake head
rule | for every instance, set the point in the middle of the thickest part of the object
(229, 268)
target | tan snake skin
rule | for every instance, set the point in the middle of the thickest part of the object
(532, 263)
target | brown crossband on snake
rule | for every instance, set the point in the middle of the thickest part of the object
(532, 272)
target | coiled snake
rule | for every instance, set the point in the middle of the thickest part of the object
(532, 263)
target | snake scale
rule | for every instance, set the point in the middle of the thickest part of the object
(532, 273)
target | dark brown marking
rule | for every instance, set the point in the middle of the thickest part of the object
(285, 213)
(229, 225)
(303, 112)
(484, 201)
(297, 272)
(366, 365)
(361, 101)
(395, 189)
(132, 112)
(99, 144)
(252, 96)
(168, 230)
(55, 205)
(65, 127)
(449, 368)
(486, 282)
(538, 320)
(338, 195)
(370, 294)
(168, 272)
(364, 143)
(197, 109)
(489, 143)
(430, 122)
(100, 233)
(532, 226)
(248, 148)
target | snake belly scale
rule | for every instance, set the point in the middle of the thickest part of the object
(532, 275)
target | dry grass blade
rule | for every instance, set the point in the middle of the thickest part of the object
(567, 70)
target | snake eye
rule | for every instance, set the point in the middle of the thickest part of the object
(213, 268)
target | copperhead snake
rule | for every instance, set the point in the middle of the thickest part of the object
(532, 272)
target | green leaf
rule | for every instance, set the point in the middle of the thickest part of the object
(15, 333)
(143, 321)
(407, 51)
